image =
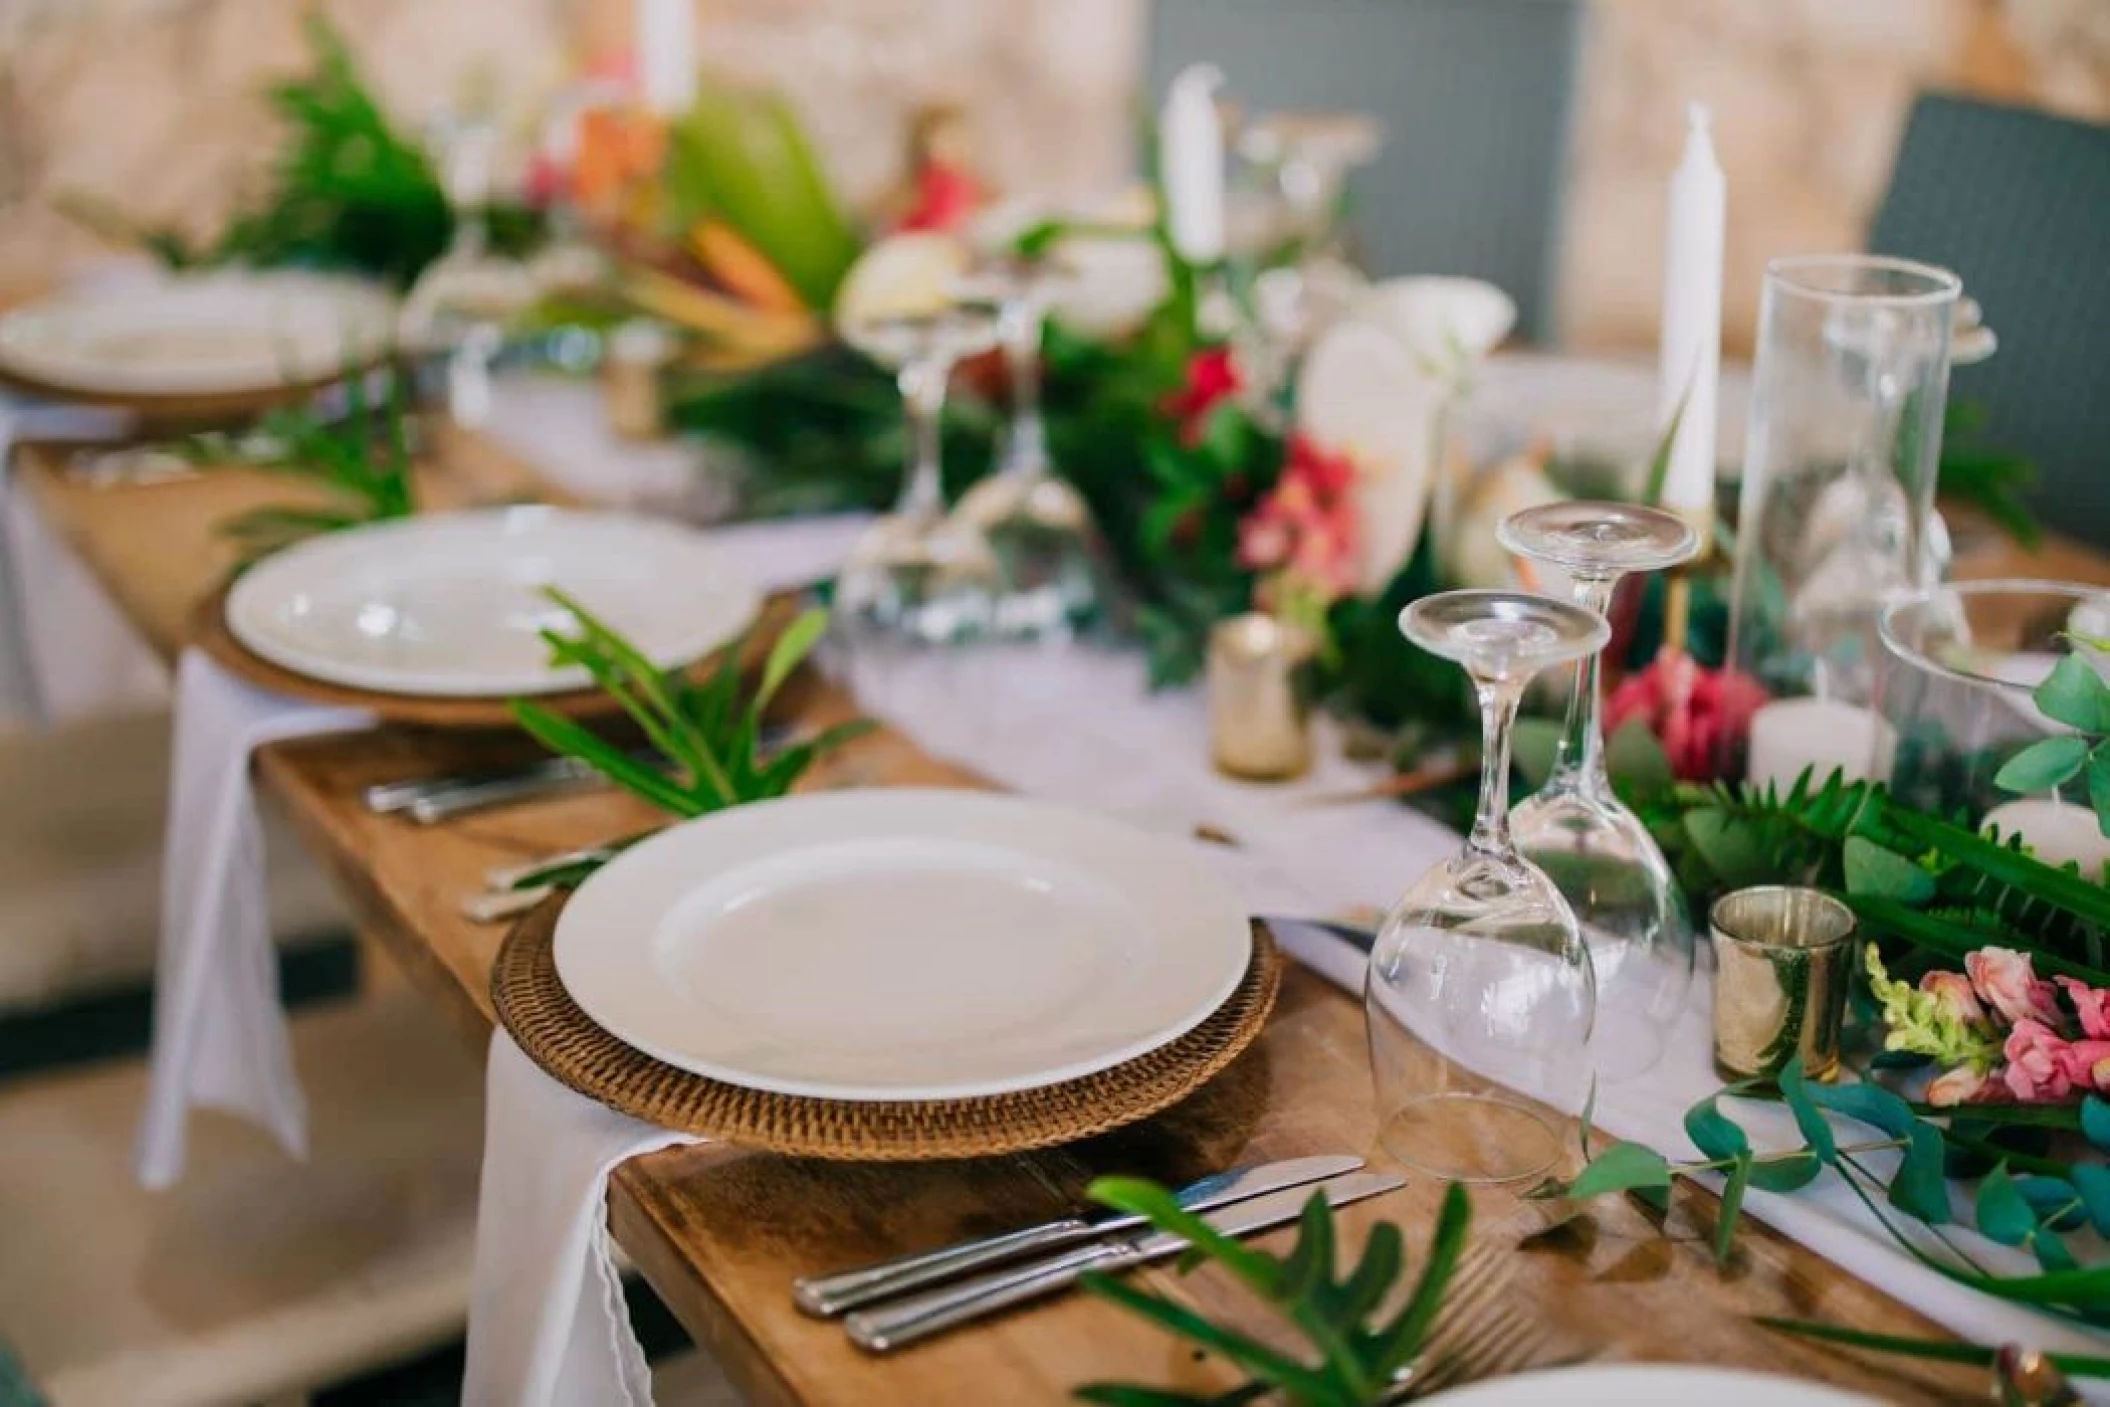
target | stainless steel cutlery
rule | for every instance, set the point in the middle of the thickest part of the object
(829, 1295)
(918, 1316)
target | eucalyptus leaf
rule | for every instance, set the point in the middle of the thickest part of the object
(1870, 869)
(2074, 694)
(1635, 758)
(1920, 1186)
(1732, 1206)
(2044, 765)
(1714, 1133)
(2091, 1181)
(2057, 1202)
(2004, 1214)
(1621, 1168)
(2095, 1121)
(1816, 1129)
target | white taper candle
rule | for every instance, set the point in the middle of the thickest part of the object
(1692, 317)
(664, 39)
(1191, 164)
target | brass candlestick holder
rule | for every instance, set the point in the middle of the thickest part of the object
(1782, 956)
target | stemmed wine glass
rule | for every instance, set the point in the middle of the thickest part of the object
(1035, 521)
(917, 576)
(1611, 871)
(1480, 997)
(464, 299)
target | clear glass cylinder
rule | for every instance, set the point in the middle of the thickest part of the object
(1961, 665)
(1839, 474)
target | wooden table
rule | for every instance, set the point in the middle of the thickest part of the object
(720, 1233)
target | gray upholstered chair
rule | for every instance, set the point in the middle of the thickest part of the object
(2018, 203)
(1475, 97)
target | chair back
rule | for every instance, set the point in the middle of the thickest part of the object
(1475, 98)
(2017, 202)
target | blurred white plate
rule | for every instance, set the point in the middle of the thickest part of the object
(450, 604)
(224, 333)
(902, 944)
(1651, 1385)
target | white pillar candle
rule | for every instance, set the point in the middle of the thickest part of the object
(664, 47)
(2058, 831)
(1691, 349)
(1823, 735)
(1191, 164)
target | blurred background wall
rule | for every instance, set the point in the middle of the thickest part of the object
(154, 103)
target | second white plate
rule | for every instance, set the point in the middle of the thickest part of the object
(1651, 1385)
(450, 604)
(901, 944)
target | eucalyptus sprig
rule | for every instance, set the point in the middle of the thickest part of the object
(707, 733)
(362, 459)
(2073, 694)
(1355, 1354)
(2034, 1212)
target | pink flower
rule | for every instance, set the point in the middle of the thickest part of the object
(1952, 992)
(1958, 1086)
(1696, 713)
(2093, 1004)
(1212, 376)
(2087, 1065)
(2006, 982)
(1305, 530)
(2038, 1065)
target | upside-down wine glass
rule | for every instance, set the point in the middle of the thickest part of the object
(1480, 998)
(462, 302)
(1597, 850)
(917, 578)
(1034, 520)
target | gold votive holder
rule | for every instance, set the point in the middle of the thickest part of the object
(636, 356)
(1260, 698)
(1782, 957)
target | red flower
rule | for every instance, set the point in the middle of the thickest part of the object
(946, 198)
(1212, 377)
(1695, 712)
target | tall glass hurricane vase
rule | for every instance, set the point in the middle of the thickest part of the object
(1480, 997)
(1575, 829)
(1838, 493)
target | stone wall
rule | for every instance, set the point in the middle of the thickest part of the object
(152, 103)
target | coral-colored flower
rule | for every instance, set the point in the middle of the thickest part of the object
(1958, 1086)
(1304, 532)
(1954, 995)
(1696, 713)
(2087, 1065)
(2007, 982)
(2037, 1064)
(2093, 1005)
(947, 196)
(1212, 377)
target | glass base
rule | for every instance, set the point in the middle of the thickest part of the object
(1474, 1138)
(1046, 549)
(925, 581)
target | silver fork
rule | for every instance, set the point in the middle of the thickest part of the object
(1476, 1335)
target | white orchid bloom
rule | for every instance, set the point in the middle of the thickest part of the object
(1377, 385)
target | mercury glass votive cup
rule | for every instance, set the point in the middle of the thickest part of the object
(1782, 962)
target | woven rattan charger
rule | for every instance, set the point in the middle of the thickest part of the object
(549, 1026)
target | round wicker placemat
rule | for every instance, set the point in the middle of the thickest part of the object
(541, 1016)
(209, 633)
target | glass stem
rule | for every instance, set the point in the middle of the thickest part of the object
(922, 384)
(1026, 449)
(1578, 765)
(1498, 715)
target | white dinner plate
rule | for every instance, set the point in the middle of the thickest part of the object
(902, 944)
(450, 605)
(198, 334)
(1651, 1385)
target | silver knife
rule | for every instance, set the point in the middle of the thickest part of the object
(897, 1325)
(826, 1296)
(389, 798)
